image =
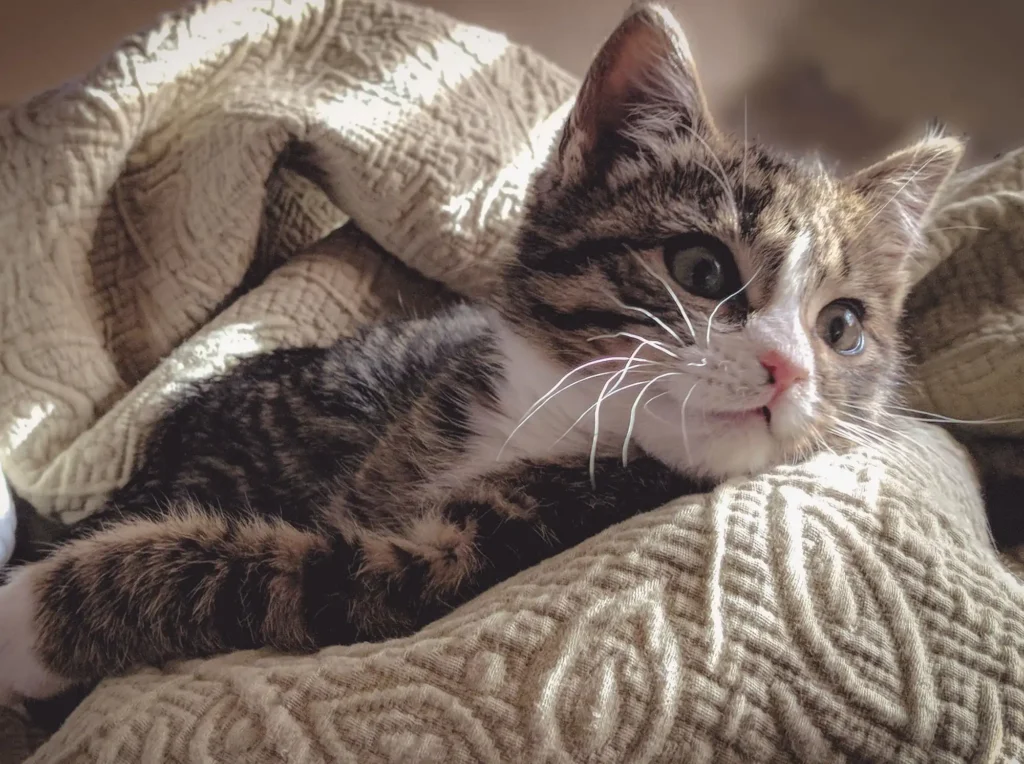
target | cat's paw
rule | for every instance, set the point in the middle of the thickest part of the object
(22, 673)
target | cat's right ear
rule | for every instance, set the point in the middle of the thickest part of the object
(640, 90)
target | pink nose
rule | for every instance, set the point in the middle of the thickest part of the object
(782, 372)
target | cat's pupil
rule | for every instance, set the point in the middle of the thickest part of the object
(837, 327)
(707, 274)
(702, 265)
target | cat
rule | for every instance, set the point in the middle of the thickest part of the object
(681, 307)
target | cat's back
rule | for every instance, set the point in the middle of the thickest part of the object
(279, 433)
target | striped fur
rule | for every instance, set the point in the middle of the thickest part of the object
(320, 496)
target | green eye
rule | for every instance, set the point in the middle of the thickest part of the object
(839, 324)
(703, 266)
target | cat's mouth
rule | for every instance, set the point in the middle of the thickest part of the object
(748, 415)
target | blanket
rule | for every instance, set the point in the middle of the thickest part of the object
(248, 176)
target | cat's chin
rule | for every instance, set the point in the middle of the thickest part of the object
(717, 449)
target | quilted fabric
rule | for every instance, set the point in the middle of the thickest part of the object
(158, 220)
(968, 329)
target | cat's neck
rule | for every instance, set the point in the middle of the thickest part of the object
(535, 417)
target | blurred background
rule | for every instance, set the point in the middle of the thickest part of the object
(849, 77)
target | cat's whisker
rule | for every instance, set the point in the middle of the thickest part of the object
(896, 194)
(730, 193)
(557, 388)
(581, 367)
(863, 438)
(819, 440)
(617, 381)
(743, 159)
(956, 228)
(633, 408)
(659, 346)
(917, 415)
(652, 399)
(880, 427)
(900, 457)
(682, 420)
(547, 397)
(592, 406)
(654, 318)
(711, 318)
(671, 292)
(896, 445)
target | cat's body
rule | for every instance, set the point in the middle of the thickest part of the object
(307, 474)
(681, 308)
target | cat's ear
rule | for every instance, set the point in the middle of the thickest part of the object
(642, 87)
(902, 188)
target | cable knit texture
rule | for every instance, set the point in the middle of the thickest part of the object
(848, 608)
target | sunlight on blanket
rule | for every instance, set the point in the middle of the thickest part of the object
(214, 30)
(213, 354)
(508, 187)
(23, 426)
(416, 81)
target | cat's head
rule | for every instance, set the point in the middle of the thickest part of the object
(767, 291)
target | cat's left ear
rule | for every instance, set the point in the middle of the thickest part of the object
(903, 187)
(641, 88)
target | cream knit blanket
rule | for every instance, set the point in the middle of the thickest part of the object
(848, 608)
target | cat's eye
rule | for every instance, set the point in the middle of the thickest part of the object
(702, 265)
(839, 324)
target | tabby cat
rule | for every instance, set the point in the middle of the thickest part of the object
(681, 307)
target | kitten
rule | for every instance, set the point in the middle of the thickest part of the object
(681, 308)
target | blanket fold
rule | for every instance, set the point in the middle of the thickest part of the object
(236, 180)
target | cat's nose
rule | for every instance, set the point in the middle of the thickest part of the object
(782, 372)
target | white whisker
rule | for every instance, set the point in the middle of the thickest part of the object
(682, 421)
(592, 406)
(660, 346)
(956, 228)
(898, 191)
(896, 446)
(582, 416)
(651, 316)
(582, 366)
(672, 294)
(632, 412)
(617, 380)
(743, 187)
(557, 388)
(730, 194)
(707, 342)
(932, 417)
(651, 400)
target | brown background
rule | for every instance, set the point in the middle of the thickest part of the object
(850, 76)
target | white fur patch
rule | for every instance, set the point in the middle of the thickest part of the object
(530, 376)
(22, 674)
(780, 327)
(8, 522)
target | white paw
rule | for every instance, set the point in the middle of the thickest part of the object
(8, 522)
(22, 674)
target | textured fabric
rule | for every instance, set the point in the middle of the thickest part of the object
(850, 607)
(968, 327)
